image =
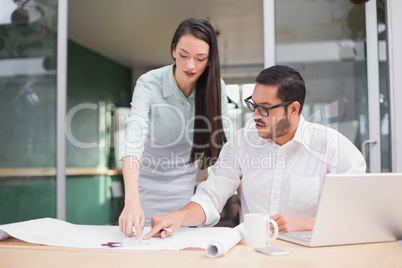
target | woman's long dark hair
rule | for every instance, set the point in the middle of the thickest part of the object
(208, 114)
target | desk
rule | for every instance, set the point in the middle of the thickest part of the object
(15, 253)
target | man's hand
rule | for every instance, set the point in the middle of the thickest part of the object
(287, 223)
(164, 225)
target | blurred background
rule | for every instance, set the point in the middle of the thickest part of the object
(111, 43)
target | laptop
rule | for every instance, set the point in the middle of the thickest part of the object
(354, 209)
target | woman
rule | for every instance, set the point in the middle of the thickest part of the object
(175, 120)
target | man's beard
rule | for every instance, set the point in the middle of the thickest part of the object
(280, 129)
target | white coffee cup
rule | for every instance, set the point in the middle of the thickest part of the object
(257, 231)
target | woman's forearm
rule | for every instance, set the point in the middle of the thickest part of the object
(131, 172)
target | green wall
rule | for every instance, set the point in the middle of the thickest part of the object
(94, 83)
(88, 199)
(96, 80)
(25, 198)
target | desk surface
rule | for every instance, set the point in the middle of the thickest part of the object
(15, 253)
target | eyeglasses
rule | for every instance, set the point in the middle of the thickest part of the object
(264, 111)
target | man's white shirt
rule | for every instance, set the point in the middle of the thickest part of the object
(277, 179)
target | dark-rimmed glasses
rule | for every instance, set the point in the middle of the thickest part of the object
(264, 111)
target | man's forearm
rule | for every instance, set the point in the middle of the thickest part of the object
(308, 224)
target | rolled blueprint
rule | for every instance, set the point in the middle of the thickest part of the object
(224, 243)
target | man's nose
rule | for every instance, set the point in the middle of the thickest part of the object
(257, 114)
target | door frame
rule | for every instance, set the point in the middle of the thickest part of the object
(394, 42)
(61, 109)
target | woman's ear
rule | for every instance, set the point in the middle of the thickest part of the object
(174, 51)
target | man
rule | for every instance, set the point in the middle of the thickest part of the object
(280, 164)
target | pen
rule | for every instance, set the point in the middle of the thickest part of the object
(168, 230)
(127, 243)
(113, 244)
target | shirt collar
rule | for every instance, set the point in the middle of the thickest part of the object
(169, 82)
(298, 137)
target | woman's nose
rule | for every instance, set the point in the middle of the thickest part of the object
(190, 64)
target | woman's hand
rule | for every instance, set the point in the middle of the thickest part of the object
(132, 216)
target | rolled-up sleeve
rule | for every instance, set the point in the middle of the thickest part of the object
(212, 215)
(137, 122)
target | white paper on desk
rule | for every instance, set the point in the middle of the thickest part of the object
(52, 232)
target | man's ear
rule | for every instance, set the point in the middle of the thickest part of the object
(294, 108)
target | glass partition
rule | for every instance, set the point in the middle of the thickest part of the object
(326, 42)
(28, 77)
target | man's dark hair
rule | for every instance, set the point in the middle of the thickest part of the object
(290, 83)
